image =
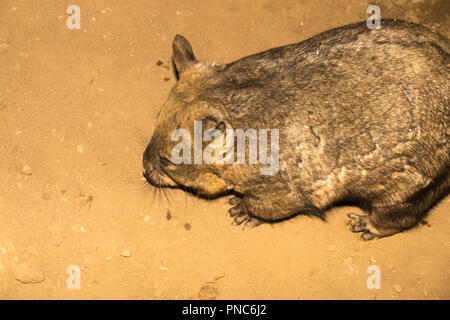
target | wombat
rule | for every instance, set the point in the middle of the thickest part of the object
(363, 119)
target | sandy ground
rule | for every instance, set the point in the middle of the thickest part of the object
(74, 106)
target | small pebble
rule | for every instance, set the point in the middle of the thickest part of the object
(147, 218)
(187, 226)
(398, 288)
(108, 258)
(56, 236)
(126, 253)
(169, 215)
(26, 170)
(27, 273)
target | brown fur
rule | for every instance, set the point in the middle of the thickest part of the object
(363, 118)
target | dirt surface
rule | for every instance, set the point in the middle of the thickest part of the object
(75, 106)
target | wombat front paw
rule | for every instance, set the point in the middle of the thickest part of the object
(361, 223)
(237, 208)
(249, 221)
(240, 214)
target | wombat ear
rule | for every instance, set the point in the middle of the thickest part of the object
(183, 56)
(211, 122)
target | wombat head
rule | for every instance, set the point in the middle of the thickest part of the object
(186, 107)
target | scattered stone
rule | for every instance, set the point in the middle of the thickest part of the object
(166, 79)
(85, 200)
(108, 258)
(26, 170)
(126, 253)
(56, 236)
(46, 196)
(208, 292)
(331, 248)
(398, 288)
(4, 45)
(187, 226)
(350, 266)
(169, 215)
(146, 218)
(27, 273)
(80, 149)
(159, 63)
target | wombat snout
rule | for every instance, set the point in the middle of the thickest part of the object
(147, 163)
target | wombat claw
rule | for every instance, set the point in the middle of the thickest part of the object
(234, 200)
(249, 221)
(239, 217)
(360, 223)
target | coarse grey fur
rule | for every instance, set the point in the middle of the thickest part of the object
(363, 117)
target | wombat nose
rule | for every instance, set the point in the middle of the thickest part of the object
(148, 167)
(147, 160)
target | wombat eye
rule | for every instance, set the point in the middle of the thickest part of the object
(165, 162)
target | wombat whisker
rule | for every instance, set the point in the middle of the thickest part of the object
(166, 196)
(140, 137)
(160, 196)
(185, 203)
(170, 195)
